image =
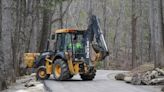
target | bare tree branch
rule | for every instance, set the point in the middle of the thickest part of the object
(57, 19)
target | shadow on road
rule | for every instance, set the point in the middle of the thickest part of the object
(78, 80)
(70, 80)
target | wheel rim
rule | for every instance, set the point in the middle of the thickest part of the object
(42, 74)
(57, 70)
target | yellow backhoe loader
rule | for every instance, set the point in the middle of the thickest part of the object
(71, 54)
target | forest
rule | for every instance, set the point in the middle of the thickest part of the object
(133, 30)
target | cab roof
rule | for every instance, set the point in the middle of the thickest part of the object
(67, 31)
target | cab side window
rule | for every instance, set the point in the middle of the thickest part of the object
(60, 42)
(67, 41)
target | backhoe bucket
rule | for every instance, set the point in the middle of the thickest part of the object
(100, 50)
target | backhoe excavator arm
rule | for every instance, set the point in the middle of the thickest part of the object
(96, 38)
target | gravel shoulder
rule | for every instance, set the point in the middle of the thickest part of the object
(31, 85)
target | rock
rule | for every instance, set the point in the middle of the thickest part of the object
(146, 78)
(154, 74)
(128, 79)
(29, 85)
(160, 71)
(157, 81)
(149, 76)
(37, 88)
(120, 76)
(33, 75)
(136, 79)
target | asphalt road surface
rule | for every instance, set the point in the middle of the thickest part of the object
(103, 82)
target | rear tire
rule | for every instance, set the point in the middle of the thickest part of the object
(60, 70)
(88, 76)
(41, 73)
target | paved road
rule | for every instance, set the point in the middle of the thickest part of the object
(103, 82)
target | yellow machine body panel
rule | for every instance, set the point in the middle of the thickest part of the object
(29, 59)
(48, 66)
(64, 30)
(73, 67)
(76, 68)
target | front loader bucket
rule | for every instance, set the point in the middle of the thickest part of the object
(29, 59)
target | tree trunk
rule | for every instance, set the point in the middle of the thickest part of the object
(152, 32)
(6, 46)
(134, 36)
(161, 31)
(45, 30)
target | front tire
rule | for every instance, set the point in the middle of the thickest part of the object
(60, 70)
(41, 73)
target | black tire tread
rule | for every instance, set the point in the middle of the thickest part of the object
(64, 70)
(88, 77)
(37, 73)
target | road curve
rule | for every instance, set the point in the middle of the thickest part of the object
(103, 82)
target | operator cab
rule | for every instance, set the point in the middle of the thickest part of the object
(68, 40)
